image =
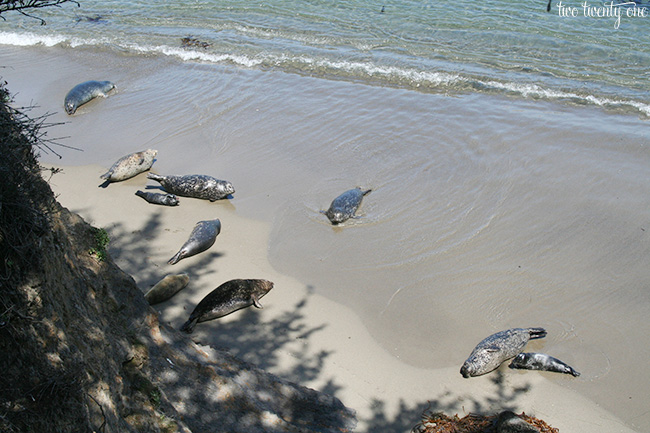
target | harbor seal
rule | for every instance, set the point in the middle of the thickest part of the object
(130, 165)
(84, 92)
(509, 422)
(344, 206)
(229, 297)
(195, 186)
(166, 288)
(202, 237)
(490, 353)
(542, 362)
(158, 198)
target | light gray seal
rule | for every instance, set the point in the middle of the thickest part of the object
(130, 165)
(158, 198)
(229, 297)
(542, 362)
(490, 353)
(166, 288)
(84, 92)
(195, 186)
(202, 237)
(344, 206)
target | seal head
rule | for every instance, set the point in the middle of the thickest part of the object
(490, 353)
(229, 297)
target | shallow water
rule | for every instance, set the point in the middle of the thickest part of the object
(487, 211)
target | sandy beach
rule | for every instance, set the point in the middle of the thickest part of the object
(300, 335)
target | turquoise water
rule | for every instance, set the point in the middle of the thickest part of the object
(493, 46)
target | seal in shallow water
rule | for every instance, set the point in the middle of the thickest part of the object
(229, 297)
(158, 198)
(166, 288)
(84, 92)
(195, 186)
(130, 165)
(543, 362)
(202, 237)
(344, 206)
(490, 353)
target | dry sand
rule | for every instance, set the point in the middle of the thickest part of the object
(300, 335)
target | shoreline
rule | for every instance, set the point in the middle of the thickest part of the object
(242, 133)
(318, 343)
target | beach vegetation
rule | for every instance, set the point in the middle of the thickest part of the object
(25, 7)
(101, 242)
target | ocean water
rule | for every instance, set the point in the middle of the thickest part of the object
(506, 147)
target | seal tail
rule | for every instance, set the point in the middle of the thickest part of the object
(537, 333)
(189, 325)
(177, 258)
(106, 175)
(367, 192)
(154, 176)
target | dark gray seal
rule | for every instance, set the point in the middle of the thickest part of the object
(195, 186)
(509, 422)
(202, 237)
(130, 165)
(158, 198)
(229, 297)
(84, 92)
(542, 362)
(166, 288)
(490, 353)
(344, 206)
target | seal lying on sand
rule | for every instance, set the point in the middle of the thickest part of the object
(508, 422)
(130, 165)
(344, 206)
(166, 288)
(158, 198)
(195, 186)
(229, 297)
(543, 362)
(202, 237)
(84, 92)
(490, 353)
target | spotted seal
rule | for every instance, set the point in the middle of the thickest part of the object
(490, 353)
(84, 92)
(229, 297)
(344, 206)
(130, 165)
(195, 186)
(158, 198)
(542, 362)
(202, 237)
(166, 288)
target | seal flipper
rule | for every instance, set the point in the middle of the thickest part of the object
(106, 175)
(189, 325)
(256, 302)
(366, 192)
(537, 333)
(177, 257)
